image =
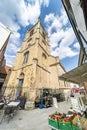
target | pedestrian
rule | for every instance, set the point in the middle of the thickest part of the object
(36, 101)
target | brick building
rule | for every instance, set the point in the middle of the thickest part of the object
(4, 37)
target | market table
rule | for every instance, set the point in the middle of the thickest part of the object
(14, 104)
(1, 103)
(10, 110)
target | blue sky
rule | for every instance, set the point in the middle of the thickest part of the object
(19, 15)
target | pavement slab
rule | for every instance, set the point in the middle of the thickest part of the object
(36, 119)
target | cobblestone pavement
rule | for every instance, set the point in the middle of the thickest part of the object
(36, 119)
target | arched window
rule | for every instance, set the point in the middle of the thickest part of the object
(26, 55)
(21, 79)
(20, 83)
(44, 59)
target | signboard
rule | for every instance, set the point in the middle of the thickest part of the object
(77, 104)
(55, 104)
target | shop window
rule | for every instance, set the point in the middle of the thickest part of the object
(26, 55)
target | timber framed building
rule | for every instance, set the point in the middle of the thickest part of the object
(77, 14)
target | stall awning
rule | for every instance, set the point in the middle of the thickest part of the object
(77, 75)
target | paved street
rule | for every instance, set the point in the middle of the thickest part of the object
(36, 119)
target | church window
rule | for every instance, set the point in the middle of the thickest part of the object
(43, 35)
(44, 42)
(31, 33)
(44, 59)
(29, 39)
(20, 83)
(21, 79)
(26, 57)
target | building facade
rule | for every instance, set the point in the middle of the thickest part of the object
(77, 14)
(35, 69)
(4, 69)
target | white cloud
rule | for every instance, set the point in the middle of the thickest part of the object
(63, 18)
(49, 18)
(28, 13)
(64, 52)
(44, 2)
(12, 58)
(16, 14)
(68, 37)
(62, 38)
(77, 46)
(20, 12)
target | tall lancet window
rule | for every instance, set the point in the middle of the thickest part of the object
(44, 59)
(21, 79)
(20, 84)
(26, 55)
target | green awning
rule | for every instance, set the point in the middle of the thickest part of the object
(77, 75)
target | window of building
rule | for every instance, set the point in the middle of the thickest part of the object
(29, 42)
(43, 35)
(44, 59)
(20, 83)
(21, 79)
(26, 57)
(43, 42)
(29, 39)
(31, 33)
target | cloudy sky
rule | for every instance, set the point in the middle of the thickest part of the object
(19, 15)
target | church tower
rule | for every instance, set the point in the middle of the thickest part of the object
(34, 69)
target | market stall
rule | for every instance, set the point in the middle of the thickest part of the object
(43, 101)
(10, 110)
(75, 119)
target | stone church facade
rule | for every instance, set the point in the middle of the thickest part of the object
(35, 69)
